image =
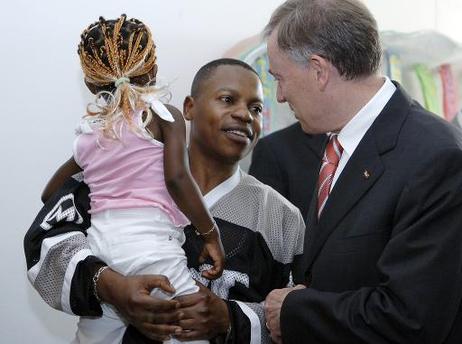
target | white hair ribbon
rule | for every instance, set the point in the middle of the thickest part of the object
(159, 108)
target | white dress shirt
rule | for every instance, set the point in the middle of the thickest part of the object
(353, 132)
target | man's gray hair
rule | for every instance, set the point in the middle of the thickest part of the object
(342, 31)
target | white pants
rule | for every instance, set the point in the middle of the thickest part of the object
(134, 242)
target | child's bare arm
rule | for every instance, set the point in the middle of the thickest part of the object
(185, 191)
(68, 169)
(178, 179)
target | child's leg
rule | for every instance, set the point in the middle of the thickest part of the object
(176, 341)
(143, 241)
(184, 284)
(108, 329)
(173, 264)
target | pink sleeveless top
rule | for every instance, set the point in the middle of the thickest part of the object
(125, 173)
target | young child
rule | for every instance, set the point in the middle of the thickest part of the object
(131, 149)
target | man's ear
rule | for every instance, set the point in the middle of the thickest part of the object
(188, 105)
(321, 69)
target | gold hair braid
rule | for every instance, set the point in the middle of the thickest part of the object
(120, 54)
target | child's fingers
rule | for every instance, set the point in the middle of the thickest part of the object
(204, 254)
(210, 275)
(214, 272)
(218, 266)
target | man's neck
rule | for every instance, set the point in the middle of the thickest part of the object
(207, 172)
(353, 95)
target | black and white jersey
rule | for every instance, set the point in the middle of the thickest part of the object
(262, 234)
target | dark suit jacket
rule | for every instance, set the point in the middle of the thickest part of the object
(288, 161)
(384, 262)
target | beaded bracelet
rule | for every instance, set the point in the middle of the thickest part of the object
(95, 282)
(214, 226)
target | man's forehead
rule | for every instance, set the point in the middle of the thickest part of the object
(232, 77)
(278, 60)
(272, 50)
(229, 69)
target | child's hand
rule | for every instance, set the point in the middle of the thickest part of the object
(213, 249)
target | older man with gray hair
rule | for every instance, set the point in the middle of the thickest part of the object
(383, 249)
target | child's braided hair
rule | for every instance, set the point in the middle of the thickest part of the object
(118, 57)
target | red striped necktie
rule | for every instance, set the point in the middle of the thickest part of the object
(326, 174)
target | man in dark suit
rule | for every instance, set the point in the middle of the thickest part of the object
(383, 250)
(291, 172)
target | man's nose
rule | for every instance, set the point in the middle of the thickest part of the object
(242, 113)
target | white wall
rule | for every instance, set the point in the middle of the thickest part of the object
(411, 15)
(42, 97)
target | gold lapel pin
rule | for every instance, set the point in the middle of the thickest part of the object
(366, 174)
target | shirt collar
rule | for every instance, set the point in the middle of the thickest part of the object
(222, 189)
(352, 133)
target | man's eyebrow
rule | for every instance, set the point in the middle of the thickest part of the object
(257, 100)
(233, 91)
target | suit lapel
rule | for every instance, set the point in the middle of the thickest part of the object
(349, 189)
(311, 234)
(362, 171)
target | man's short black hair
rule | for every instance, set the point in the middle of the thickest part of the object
(206, 71)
